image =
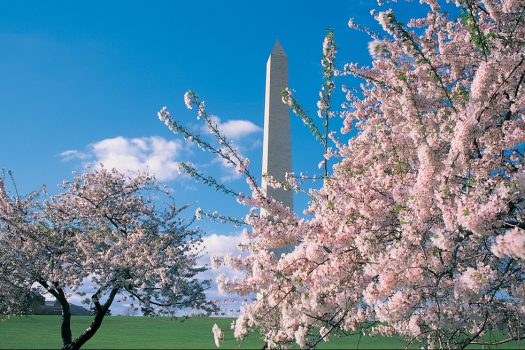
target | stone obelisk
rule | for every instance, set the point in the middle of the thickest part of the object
(277, 155)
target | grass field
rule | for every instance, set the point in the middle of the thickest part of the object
(119, 332)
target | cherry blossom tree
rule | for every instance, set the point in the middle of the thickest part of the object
(419, 227)
(119, 235)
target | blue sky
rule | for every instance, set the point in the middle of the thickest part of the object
(76, 73)
(81, 82)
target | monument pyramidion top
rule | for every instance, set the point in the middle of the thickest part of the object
(278, 49)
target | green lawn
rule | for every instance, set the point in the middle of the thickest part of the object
(147, 333)
(119, 332)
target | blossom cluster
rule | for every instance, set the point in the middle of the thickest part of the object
(418, 229)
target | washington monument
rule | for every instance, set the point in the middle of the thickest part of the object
(277, 155)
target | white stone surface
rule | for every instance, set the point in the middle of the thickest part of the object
(277, 156)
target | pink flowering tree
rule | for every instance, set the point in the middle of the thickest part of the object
(419, 227)
(121, 236)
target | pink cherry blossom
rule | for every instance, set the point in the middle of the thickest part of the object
(218, 334)
(418, 228)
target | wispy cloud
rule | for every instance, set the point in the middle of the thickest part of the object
(236, 128)
(72, 154)
(154, 154)
(237, 131)
(228, 172)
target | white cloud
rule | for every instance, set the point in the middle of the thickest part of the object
(237, 132)
(72, 154)
(239, 128)
(221, 244)
(154, 154)
(228, 172)
(235, 128)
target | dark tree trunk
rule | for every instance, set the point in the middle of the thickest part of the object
(65, 329)
(101, 311)
(87, 334)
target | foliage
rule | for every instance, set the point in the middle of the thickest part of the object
(419, 230)
(121, 235)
